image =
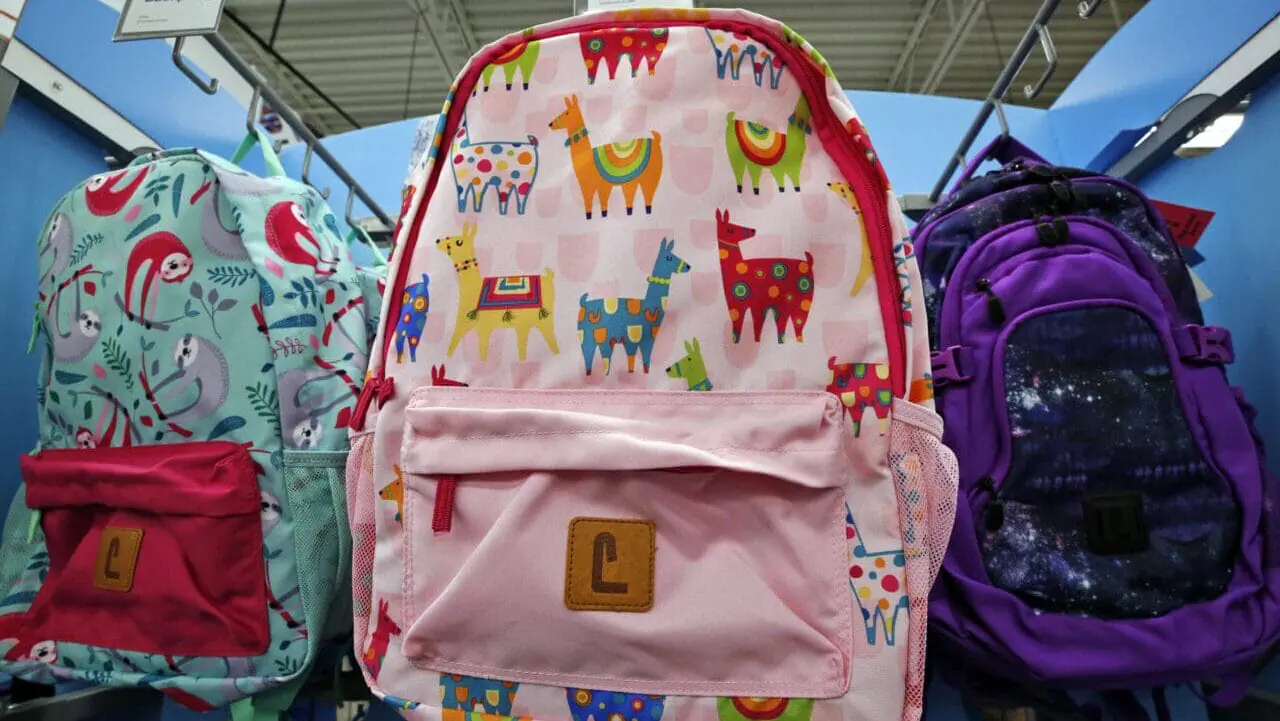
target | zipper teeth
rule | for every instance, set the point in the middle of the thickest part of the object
(813, 84)
(870, 195)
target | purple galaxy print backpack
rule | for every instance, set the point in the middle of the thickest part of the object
(1117, 525)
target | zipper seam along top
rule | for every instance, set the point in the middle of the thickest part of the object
(854, 166)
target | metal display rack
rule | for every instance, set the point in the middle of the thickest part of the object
(263, 91)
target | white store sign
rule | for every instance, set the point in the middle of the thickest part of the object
(141, 19)
(594, 5)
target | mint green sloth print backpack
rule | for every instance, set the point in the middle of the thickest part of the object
(182, 525)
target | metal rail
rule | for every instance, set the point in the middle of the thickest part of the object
(1038, 31)
(286, 113)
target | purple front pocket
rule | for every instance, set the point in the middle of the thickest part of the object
(1116, 532)
(1106, 507)
(1099, 496)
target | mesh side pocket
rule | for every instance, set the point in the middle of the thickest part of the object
(15, 550)
(322, 541)
(925, 475)
(363, 533)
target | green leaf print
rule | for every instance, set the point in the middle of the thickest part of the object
(88, 410)
(177, 194)
(155, 188)
(142, 227)
(82, 248)
(265, 402)
(230, 275)
(118, 360)
(266, 292)
(227, 425)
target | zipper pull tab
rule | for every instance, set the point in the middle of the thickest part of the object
(995, 309)
(993, 514)
(442, 517)
(379, 389)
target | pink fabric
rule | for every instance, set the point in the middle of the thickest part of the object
(925, 473)
(746, 492)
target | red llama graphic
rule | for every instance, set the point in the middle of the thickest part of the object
(781, 286)
(608, 46)
(860, 386)
(382, 633)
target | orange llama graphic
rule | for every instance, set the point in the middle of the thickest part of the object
(632, 165)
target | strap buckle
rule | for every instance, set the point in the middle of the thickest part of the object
(949, 365)
(1205, 344)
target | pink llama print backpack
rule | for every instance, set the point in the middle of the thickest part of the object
(647, 432)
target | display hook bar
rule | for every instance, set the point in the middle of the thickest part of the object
(290, 118)
(998, 91)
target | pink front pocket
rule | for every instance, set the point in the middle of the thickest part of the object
(640, 542)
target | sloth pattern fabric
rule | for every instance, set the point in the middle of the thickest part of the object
(206, 336)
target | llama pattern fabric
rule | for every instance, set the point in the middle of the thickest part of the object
(186, 306)
(645, 204)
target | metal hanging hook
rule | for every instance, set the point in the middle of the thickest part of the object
(306, 171)
(255, 111)
(351, 199)
(1087, 8)
(209, 87)
(1051, 58)
(1004, 122)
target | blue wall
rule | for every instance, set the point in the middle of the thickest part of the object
(1241, 247)
(43, 159)
(375, 156)
(915, 135)
(1156, 58)
(136, 78)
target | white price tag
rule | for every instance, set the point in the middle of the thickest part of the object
(141, 19)
(1202, 291)
(594, 5)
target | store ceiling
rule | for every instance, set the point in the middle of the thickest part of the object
(343, 64)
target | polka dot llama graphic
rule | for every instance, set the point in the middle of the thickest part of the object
(876, 579)
(508, 168)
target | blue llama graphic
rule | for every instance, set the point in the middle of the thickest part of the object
(588, 705)
(633, 323)
(464, 693)
(413, 318)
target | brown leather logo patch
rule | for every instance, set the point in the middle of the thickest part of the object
(609, 565)
(117, 558)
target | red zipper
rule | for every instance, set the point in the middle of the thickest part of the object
(442, 515)
(861, 172)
